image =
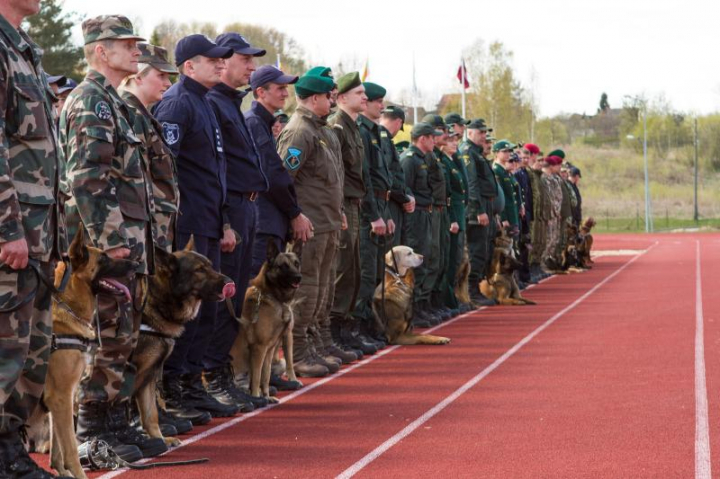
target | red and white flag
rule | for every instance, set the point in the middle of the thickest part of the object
(462, 75)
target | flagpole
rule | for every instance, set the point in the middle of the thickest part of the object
(278, 62)
(462, 84)
(414, 93)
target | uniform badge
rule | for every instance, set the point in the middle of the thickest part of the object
(103, 111)
(292, 160)
(383, 134)
(171, 133)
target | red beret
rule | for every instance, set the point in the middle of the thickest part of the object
(532, 148)
(553, 160)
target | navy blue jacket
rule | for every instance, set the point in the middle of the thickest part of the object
(523, 178)
(244, 170)
(279, 204)
(193, 134)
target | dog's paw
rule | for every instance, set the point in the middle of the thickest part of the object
(445, 341)
(272, 400)
(172, 441)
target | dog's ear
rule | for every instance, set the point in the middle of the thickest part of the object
(290, 247)
(78, 250)
(190, 246)
(271, 251)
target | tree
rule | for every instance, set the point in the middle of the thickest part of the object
(51, 30)
(168, 32)
(604, 105)
(276, 43)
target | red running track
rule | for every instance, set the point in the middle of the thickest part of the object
(604, 386)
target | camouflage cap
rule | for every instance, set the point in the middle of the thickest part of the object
(108, 27)
(156, 57)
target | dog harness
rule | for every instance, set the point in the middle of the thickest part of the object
(145, 329)
(70, 341)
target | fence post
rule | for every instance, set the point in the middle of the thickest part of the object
(667, 218)
(637, 217)
(607, 219)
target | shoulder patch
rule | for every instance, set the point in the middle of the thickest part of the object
(171, 133)
(103, 111)
(293, 158)
(383, 134)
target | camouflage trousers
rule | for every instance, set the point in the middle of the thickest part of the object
(25, 336)
(563, 237)
(110, 375)
(553, 239)
(538, 235)
(164, 229)
(317, 262)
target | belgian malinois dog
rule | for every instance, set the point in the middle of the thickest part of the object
(182, 281)
(586, 243)
(500, 283)
(462, 285)
(395, 312)
(73, 311)
(267, 319)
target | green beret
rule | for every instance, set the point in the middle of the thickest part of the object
(321, 72)
(503, 145)
(559, 153)
(422, 128)
(108, 27)
(435, 120)
(348, 81)
(312, 84)
(401, 146)
(374, 91)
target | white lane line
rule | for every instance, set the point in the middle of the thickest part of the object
(289, 397)
(702, 430)
(382, 448)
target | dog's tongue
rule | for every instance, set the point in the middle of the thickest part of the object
(121, 287)
(229, 290)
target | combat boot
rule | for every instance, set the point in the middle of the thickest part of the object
(327, 361)
(335, 331)
(166, 429)
(182, 426)
(420, 318)
(283, 384)
(349, 335)
(119, 424)
(195, 395)
(93, 424)
(177, 407)
(221, 384)
(15, 462)
(305, 364)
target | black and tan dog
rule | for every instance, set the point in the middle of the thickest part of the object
(500, 284)
(182, 281)
(73, 310)
(586, 243)
(396, 311)
(267, 319)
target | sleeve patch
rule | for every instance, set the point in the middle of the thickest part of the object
(171, 133)
(103, 111)
(293, 158)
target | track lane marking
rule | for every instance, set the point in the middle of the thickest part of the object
(703, 468)
(410, 428)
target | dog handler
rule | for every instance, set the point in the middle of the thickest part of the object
(109, 194)
(311, 154)
(30, 228)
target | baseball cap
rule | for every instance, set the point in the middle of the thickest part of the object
(196, 44)
(239, 44)
(270, 74)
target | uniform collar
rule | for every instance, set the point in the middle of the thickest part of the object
(346, 120)
(367, 122)
(263, 113)
(18, 37)
(193, 85)
(311, 116)
(97, 77)
(230, 92)
(135, 102)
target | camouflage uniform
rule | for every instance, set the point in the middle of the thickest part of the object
(110, 195)
(160, 163)
(30, 169)
(568, 201)
(541, 209)
(553, 185)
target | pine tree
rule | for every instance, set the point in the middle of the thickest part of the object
(604, 105)
(51, 30)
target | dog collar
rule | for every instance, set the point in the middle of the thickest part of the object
(145, 329)
(69, 341)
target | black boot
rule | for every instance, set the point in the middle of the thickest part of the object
(335, 330)
(178, 407)
(93, 423)
(194, 394)
(284, 384)
(182, 426)
(166, 429)
(349, 335)
(221, 383)
(15, 461)
(119, 424)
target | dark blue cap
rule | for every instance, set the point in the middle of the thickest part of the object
(58, 80)
(239, 45)
(270, 74)
(194, 45)
(70, 85)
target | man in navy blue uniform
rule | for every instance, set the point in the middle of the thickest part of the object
(278, 208)
(193, 134)
(245, 181)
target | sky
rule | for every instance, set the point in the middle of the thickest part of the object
(577, 49)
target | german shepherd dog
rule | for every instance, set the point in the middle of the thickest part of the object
(182, 281)
(396, 311)
(500, 284)
(586, 243)
(73, 310)
(267, 319)
(462, 285)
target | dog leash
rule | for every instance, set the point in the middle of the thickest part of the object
(96, 455)
(34, 266)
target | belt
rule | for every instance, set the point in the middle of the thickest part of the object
(439, 207)
(427, 208)
(382, 194)
(355, 201)
(252, 196)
